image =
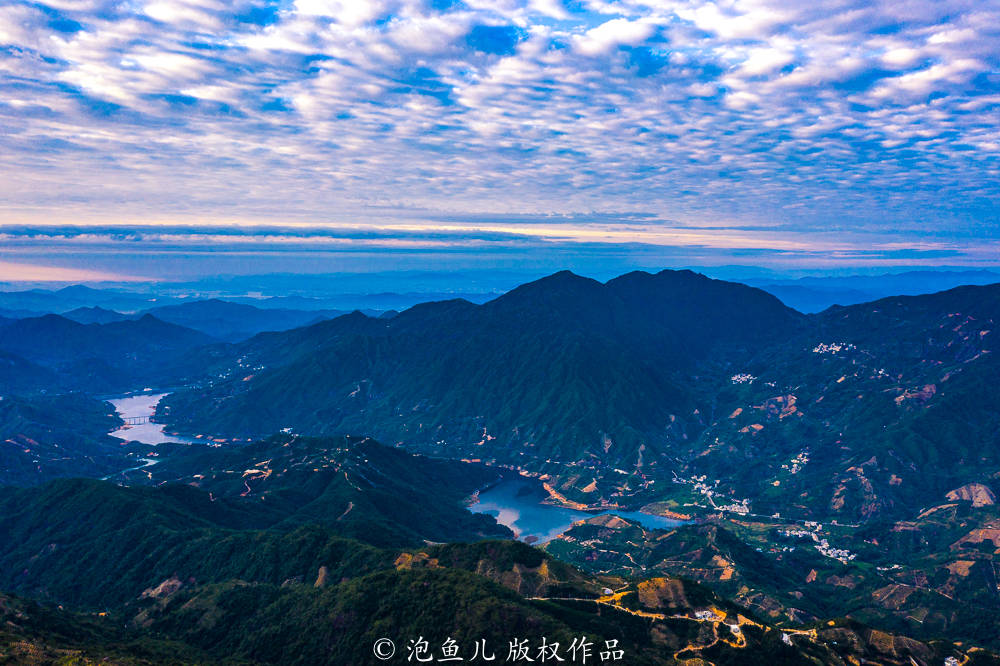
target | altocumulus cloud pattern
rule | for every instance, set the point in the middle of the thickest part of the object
(852, 113)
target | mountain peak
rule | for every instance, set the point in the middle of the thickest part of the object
(563, 281)
(560, 296)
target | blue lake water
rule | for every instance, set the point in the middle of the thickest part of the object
(517, 503)
(144, 404)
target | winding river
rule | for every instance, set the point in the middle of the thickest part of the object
(143, 404)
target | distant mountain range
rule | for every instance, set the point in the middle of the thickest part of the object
(115, 356)
(86, 303)
(222, 320)
(234, 321)
(814, 294)
(381, 292)
(34, 302)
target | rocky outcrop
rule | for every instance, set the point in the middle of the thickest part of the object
(164, 589)
(976, 493)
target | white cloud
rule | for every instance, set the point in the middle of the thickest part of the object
(765, 60)
(736, 109)
(614, 33)
(901, 57)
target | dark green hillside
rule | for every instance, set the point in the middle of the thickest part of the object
(185, 576)
(46, 437)
(100, 357)
(363, 489)
(892, 404)
(95, 545)
(562, 369)
(339, 624)
(92, 543)
(32, 633)
(659, 621)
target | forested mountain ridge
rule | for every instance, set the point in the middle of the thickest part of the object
(842, 463)
(609, 386)
(95, 357)
(563, 368)
(182, 576)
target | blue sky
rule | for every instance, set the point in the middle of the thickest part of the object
(350, 135)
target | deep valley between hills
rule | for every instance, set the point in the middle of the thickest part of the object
(837, 474)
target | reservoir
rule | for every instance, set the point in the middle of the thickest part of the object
(141, 405)
(517, 503)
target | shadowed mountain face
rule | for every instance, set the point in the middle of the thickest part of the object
(642, 378)
(565, 368)
(20, 375)
(98, 357)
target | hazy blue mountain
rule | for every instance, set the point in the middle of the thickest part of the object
(78, 296)
(100, 357)
(371, 304)
(224, 320)
(19, 314)
(94, 315)
(813, 294)
(53, 338)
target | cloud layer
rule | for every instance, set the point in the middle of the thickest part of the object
(789, 117)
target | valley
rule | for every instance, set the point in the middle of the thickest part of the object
(534, 332)
(704, 491)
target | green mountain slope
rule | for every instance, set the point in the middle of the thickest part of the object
(363, 489)
(43, 437)
(91, 543)
(180, 578)
(563, 369)
(877, 410)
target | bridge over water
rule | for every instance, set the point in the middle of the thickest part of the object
(135, 420)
